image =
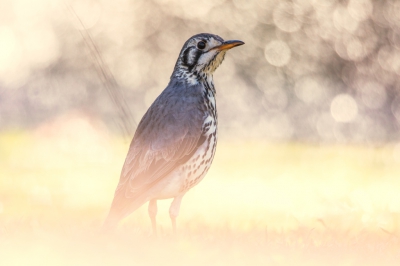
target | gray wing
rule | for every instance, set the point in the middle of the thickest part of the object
(167, 136)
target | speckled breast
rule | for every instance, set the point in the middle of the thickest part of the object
(196, 167)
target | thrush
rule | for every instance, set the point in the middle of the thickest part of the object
(174, 143)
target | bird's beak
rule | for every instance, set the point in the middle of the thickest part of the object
(228, 45)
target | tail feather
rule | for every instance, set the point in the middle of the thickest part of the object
(120, 208)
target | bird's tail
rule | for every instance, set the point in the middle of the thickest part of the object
(120, 208)
(115, 214)
(110, 222)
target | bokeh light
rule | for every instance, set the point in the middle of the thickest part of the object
(344, 108)
(310, 49)
(277, 53)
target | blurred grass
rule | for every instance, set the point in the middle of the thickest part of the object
(261, 203)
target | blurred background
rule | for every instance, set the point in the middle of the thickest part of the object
(320, 71)
(309, 113)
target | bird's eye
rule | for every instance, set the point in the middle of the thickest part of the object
(201, 45)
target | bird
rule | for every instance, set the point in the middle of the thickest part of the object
(175, 142)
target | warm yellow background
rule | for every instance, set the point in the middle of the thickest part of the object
(285, 204)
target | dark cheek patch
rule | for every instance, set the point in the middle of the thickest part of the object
(190, 57)
(186, 56)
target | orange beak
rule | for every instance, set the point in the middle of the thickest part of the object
(228, 45)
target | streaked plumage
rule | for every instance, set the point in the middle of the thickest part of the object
(175, 141)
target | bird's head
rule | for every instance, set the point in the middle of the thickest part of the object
(202, 54)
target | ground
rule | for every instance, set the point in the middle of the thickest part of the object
(262, 203)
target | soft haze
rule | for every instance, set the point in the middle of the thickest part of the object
(308, 162)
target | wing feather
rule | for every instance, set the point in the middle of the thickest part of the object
(164, 140)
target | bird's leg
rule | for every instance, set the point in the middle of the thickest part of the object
(153, 214)
(174, 211)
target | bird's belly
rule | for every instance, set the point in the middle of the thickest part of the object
(197, 166)
(192, 172)
(172, 185)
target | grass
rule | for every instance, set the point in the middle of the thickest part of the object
(260, 204)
